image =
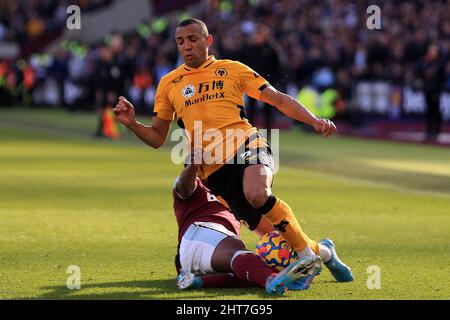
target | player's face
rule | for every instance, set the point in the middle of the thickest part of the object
(192, 44)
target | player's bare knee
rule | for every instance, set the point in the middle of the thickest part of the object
(224, 252)
(257, 197)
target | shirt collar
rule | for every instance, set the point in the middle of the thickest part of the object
(205, 64)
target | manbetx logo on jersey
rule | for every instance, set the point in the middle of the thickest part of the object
(204, 87)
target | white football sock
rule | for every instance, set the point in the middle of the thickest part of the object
(305, 252)
(325, 253)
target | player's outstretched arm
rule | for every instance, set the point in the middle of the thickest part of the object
(295, 110)
(186, 182)
(154, 135)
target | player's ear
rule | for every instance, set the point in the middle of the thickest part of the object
(210, 40)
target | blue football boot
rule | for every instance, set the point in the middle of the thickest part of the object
(304, 283)
(300, 270)
(187, 280)
(340, 271)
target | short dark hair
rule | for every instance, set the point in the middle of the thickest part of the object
(190, 21)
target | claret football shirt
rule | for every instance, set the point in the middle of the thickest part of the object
(202, 206)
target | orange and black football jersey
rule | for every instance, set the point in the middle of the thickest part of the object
(210, 97)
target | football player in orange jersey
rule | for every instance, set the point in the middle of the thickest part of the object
(208, 93)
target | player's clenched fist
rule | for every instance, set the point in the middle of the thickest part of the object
(325, 127)
(124, 112)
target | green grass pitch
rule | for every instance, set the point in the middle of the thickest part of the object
(105, 206)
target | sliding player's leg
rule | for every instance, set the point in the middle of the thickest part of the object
(214, 280)
(208, 248)
(231, 254)
(205, 250)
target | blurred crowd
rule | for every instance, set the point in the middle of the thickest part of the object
(325, 44)
(25, 21)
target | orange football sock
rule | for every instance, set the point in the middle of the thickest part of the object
(283, 219)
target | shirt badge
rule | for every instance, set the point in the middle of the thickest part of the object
(188, 91)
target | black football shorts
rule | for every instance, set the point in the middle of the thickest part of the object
(227, 182)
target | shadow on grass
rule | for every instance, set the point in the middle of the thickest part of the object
(145, 289)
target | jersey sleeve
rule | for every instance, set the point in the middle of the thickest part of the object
(163, 109)
(251, 81)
